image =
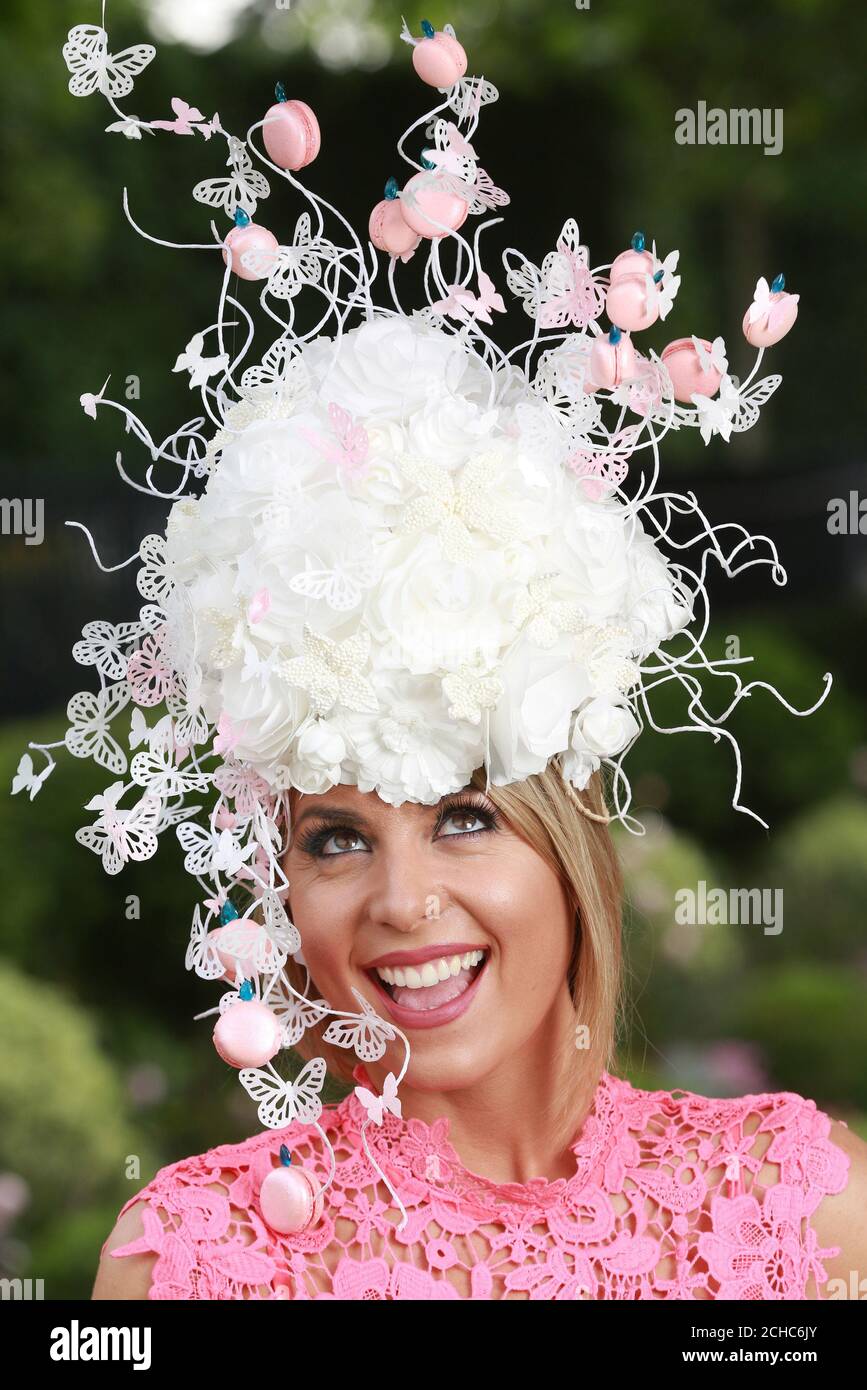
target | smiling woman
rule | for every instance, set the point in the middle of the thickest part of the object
(486, 929)
(415, 599)
(515, 872)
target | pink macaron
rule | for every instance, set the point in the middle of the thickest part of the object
(774, 323)
(390, 231)
(257, 240)
(688, 377)
(291, 134)
(248, 1034)
(427, 196)
(439, 59)
(630, 262)
(612, 361)
(631, 304)
(290, 1199)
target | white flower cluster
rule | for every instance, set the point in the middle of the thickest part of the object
(395, 584)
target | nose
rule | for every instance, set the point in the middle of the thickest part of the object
(403, 890)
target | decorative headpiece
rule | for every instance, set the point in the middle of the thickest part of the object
(394, 552)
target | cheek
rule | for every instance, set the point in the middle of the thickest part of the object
(524, 908)
(322, 913)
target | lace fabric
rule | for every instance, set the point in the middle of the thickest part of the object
(674, 1195)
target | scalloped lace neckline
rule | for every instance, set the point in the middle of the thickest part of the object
(406, 1144)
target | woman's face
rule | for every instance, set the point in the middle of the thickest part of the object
(368, 880)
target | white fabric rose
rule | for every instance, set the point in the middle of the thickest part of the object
(391, 365)
(431, 615)
(314, 761)
(606, 726)
(531, 721)
(653, 605)
(411, 750)
(264, 714)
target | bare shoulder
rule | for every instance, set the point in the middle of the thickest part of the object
(840, 1219)
(130, 1276)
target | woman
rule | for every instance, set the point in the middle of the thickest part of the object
(419, 604)
(531, 1171)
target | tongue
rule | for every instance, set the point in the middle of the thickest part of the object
(430, 996)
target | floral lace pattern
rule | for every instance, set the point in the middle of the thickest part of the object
(674, 1195)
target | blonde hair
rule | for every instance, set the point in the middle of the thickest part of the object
(579, 848)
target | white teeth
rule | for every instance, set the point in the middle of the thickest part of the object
(430, 973)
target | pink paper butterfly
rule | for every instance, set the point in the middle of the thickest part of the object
(573, 296)
(351, 449)
(186, 120)
(601, 472)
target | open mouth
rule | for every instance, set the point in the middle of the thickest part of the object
(410, 990)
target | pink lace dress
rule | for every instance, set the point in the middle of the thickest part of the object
(674, 1195)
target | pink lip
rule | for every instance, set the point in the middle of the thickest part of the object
(418, 957)
(430, 1018)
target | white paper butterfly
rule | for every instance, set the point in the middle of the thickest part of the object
(26, 780)
(734, 410)
(367, 1034)
(95, 69)
(119, 836)
(715, 414)
(295, 265)
(208, 852)
(665, 289)
(297, 1015)
(202, 952)
(469, 94)
(280, 376)
(153, 579)
(89, 735)
(342, 587)
(376, 1106)
(101, 647)
(715, 358)
(191, 725)
(200, 368)
(281, 1101)
(158, 771)
(242, 189)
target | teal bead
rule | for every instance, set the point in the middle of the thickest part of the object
(614, 336)
(427, 163)
(427, 29)
(246, 990)
(779, 284)
(228, 912)
(280, 92)
(658, 276)
(392, 188)
(285, 1156)
(242, 219)
(638, 241)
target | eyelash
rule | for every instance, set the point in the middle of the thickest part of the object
(314, 842)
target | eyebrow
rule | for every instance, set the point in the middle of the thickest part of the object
(346, 815)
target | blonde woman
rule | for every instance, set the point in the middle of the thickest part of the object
(527, 1167)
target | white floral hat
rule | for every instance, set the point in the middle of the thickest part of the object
(394, 552)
